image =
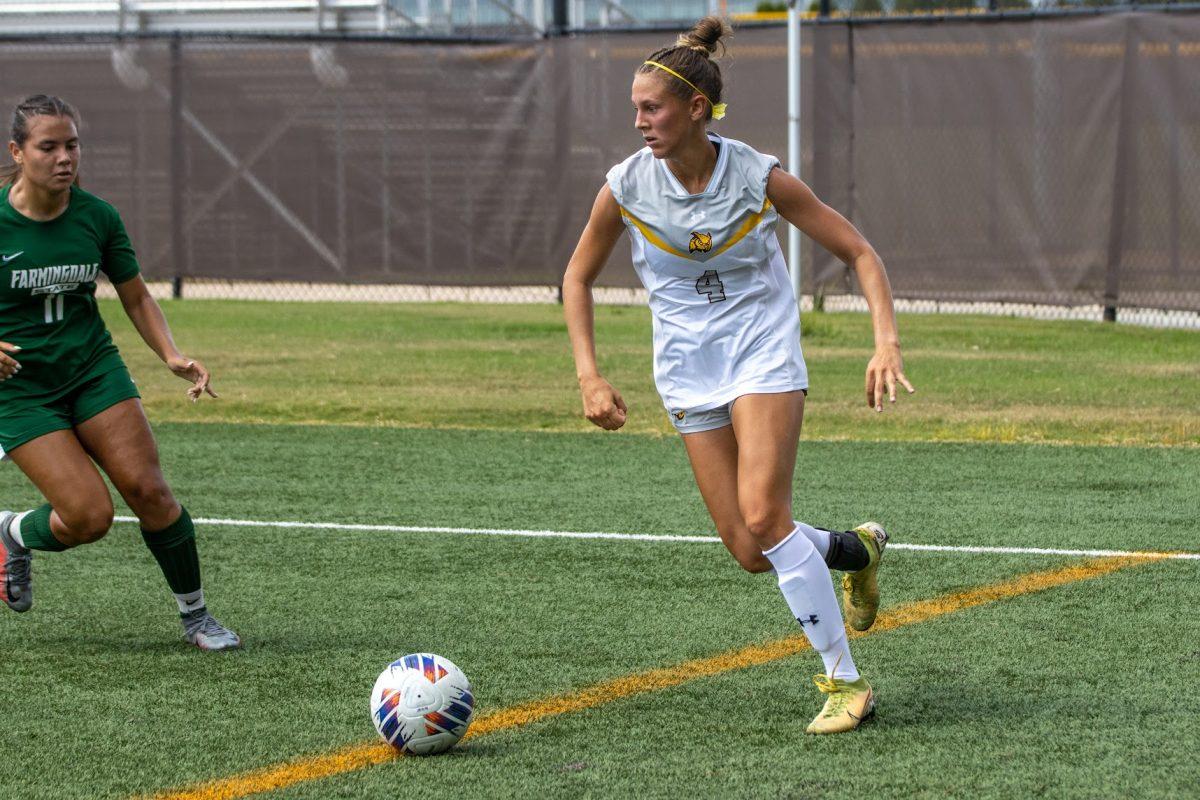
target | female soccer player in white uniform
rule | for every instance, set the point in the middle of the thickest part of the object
(701, 212)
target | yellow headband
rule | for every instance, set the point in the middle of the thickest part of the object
(718, 109)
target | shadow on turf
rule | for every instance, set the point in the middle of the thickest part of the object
(925, 705)
(79, 645)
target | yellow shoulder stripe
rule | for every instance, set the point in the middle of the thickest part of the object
(650, 235)
(750, 224)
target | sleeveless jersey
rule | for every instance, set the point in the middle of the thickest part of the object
(48, 274)
(725, 319)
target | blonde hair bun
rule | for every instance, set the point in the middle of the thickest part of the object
(706, 35)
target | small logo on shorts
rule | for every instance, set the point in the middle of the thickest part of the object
(679, 415)
(701, 242)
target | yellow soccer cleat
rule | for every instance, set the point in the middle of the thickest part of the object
(860, 590)
(849, 704)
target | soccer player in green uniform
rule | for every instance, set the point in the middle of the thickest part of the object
(67, 402)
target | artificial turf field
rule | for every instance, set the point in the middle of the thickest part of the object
(1080, 685)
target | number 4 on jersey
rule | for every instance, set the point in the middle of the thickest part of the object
(710, 284)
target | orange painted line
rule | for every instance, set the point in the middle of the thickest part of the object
(358, 756)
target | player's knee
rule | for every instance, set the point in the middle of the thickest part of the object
(87, 524)
(741, 546)
(767, 524)
(151, 500)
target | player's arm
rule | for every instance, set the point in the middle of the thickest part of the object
(796, 203)
(602, 404)
(147, 317)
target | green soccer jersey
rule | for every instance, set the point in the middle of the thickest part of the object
(48, 294)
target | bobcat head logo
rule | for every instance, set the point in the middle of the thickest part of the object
(701, 242)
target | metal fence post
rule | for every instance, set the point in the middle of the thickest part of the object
(561, 22)
(178, 170)
(1122, 175)
(794, 152)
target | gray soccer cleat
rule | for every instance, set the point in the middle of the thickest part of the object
(202, 629)
(16, 568)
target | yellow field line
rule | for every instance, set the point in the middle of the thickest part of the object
(364, 755)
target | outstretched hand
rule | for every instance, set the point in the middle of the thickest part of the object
(602, 404)
(9, 366)
(884, 371)
(192, 370)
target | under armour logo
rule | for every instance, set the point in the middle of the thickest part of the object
(811, 619)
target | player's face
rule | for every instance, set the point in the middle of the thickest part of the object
(50, 157)
(663, 119)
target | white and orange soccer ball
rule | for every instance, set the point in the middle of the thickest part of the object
(422, 704)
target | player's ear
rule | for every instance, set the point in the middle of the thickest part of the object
(699, 108)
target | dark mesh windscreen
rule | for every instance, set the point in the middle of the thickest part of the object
(1046, 161)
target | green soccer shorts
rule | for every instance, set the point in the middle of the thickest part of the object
(22, 422)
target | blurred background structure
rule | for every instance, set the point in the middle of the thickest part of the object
(461, 17)
(1037, 160)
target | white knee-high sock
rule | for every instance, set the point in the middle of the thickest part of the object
(818, 537)
(808, 589)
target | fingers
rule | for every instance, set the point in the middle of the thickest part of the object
(877, 395)
(609, 418)
(870, 387)
(200, 377)
(603, 405)
(904, 381)
(9, 366)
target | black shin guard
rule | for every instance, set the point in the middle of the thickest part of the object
(846, 553)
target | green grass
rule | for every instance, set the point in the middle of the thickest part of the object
(1067, 693)
(465, 416)
(509, 367)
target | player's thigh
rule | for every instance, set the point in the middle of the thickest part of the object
(714, 458)
(767, 428)
(59, 467)
(120, 440)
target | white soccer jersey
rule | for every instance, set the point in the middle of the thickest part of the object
(725, 316)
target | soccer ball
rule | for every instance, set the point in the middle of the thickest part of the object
(422, 704)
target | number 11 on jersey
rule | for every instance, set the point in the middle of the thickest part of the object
(54, 308)
(710, 284)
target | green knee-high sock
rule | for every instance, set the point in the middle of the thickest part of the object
(174, 549)
(35, 531)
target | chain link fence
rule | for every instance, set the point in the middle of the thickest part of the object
(1035, 166)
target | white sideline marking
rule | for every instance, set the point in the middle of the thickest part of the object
(651, 537)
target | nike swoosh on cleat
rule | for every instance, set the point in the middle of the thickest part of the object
(10, 258)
